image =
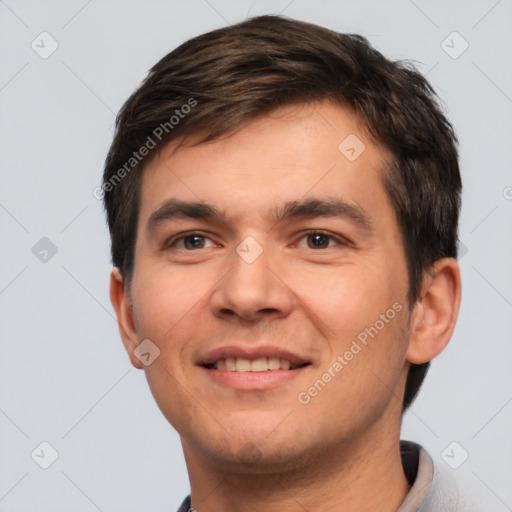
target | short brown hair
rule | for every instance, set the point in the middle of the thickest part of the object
(232, 75)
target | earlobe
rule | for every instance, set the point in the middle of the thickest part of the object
(122, 306)
(435, 314)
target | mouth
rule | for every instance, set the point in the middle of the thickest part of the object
(252, 369)
(257, 365)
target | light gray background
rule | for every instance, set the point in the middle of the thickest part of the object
(65, 378)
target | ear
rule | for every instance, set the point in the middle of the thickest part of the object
(119, 296)
(435, 313)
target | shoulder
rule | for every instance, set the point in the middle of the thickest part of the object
(434, 488)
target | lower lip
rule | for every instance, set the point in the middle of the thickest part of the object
(253, 380)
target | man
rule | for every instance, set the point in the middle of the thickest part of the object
(283, 204)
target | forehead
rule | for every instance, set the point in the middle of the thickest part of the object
(317, 150)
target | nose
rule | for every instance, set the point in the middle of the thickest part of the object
(253, 289)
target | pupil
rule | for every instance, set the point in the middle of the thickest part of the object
(316, 239)
(196, 238)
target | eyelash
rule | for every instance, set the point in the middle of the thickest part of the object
(310, 232)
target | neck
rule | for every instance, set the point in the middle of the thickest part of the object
(352, 477)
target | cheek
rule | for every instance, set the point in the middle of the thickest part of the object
(348, 298)
(363, 317)
(362, 377)
(167, 306)
(164, 298)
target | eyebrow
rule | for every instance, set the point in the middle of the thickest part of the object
(306, 209)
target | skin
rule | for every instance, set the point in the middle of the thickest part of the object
(248, 449)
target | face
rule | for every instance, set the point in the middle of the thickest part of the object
(294, 271)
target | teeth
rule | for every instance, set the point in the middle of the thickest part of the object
(242, 365)
(274, 363)
(260, 364)
(285, 364)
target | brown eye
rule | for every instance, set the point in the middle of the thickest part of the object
(194, 242)
(318, 241)
(321, 240)
(189, 242)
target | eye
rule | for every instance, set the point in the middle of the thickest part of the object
(315, 239)
(188, 242)
(320, 240)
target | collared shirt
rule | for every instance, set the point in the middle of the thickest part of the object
(432, 489)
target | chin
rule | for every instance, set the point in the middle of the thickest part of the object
(254, 459)
(254, 452)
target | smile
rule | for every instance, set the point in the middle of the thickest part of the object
(260, 364)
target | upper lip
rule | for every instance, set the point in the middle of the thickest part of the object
(237, 351)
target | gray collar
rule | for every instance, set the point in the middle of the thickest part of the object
(422, 481)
